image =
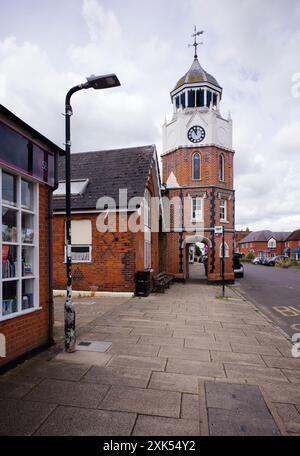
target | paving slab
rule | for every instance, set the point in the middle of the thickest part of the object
(190, 407)
(157, 340)
(145, 362)
(287, 394)
(17, 387)
(253, 373)
(88, 358)
(120, 348)
(240, 358)
(121, 375)
(206, 344)
(290, 416)
(244, 347)
(193, 354)
(56, 369)
(152, 331)
(72, 421)
(292, 375)
(199, 368)
(143, 401)
(244, 398)
(68, 393)
(19, 417)
(282, 363)
(157, 426)
(233, 423)
(174, 382)
(112, 329)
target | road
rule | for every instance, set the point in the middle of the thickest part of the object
(276, 292)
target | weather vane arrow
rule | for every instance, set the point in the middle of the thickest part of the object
(195, 44)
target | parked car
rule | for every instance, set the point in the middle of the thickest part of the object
(272, 261)
(237, 265)
(257, 260)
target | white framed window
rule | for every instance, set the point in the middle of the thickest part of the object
(81, 238)
(147, 230)
(226, 250)
(223, 210)
(221, 168)
(19, 270)
(197, 209)
(272, 243)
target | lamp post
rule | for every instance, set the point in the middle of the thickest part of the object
(95, 82)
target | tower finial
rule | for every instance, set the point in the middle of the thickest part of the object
(195, 44)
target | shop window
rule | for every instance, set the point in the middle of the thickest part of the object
(19, 245)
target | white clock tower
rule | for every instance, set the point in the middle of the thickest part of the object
(197, 163)
(197, 120)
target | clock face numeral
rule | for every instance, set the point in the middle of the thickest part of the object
(196, 134)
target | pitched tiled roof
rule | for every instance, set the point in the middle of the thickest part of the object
(264, 236)
(294, 236)
(107, 172)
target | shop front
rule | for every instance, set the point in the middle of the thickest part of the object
(27, 180)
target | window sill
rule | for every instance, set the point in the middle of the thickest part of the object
(19, 314)
(224, 221)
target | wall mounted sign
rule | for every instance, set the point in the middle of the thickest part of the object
(20, 153)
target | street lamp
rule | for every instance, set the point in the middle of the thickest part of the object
(96, 82)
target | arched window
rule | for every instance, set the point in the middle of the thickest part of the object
(196, 166)
(226, 250)
(221, 167)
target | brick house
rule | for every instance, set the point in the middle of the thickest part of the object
(197, 164)
(264, 243)
(108, 261)
(27, 178)
(292, 245)
(239, 236)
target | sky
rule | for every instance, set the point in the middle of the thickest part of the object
(252, 47)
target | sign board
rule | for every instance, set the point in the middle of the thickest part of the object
(218, 230)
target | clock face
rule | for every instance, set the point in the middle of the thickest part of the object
(196, 134)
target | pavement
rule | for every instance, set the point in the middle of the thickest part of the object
(182, 363)
(276, 292)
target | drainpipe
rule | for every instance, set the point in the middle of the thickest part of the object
(50, 252)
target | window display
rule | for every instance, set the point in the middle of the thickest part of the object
(18, 290)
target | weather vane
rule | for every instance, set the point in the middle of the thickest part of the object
(195, 44)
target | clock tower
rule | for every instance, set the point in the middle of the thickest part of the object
(197, 164)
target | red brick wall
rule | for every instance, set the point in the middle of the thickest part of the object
(27, 332)
(257, 247)
(180, 162)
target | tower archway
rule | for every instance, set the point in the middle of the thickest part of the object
(195, 269)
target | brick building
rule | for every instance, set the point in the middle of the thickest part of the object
(108, 261)
(27, 179)
(198, 169)
(239, 236)
(264, 243)
(292, 245)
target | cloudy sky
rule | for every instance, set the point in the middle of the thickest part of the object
(252, 47)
